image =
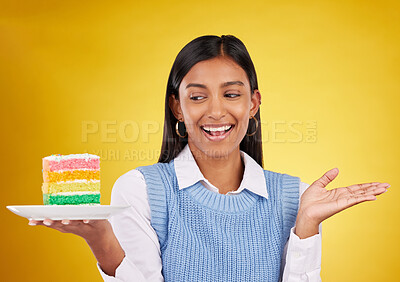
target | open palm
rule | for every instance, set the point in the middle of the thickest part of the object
(318, 203)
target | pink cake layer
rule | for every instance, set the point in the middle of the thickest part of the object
(71, 164)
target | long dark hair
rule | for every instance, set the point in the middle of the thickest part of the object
(201, 49)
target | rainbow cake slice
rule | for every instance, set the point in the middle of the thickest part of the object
(71, 179)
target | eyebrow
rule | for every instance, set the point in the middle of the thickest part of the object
(225, 84)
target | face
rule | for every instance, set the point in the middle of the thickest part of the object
(215, 103)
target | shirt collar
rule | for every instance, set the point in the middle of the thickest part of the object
(188, 173)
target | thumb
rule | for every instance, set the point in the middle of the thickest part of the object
(326, 178)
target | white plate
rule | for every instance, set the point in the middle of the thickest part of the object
(55, 212)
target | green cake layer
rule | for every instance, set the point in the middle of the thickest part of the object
(54, 199)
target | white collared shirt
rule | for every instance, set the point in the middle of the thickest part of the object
(142, 261)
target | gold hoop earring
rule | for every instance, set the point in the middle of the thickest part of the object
(256, 127)
(177, 130)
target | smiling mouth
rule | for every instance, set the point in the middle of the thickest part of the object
(211, 132)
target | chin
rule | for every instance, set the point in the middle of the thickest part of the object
(218, 151)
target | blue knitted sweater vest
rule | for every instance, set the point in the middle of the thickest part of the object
(207, 236)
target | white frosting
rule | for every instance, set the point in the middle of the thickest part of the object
(75, 193)
(58, 158)
(63, 170)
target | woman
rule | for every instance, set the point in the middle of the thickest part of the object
(208, 211)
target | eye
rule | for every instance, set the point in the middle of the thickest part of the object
(195, 98)
(234, 95)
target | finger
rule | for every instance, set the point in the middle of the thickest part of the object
(357, 188)
(351, 200)
(65, 225)
(71, 222)
(379, 191)
(80, 222)
(59, 223)
(33, 222)
(374, 190)
(64, 222)
(367, 188)
(362, 187)
(48, 222)
(362, 198)
(45, 222)
(56, 224)
(326, 178)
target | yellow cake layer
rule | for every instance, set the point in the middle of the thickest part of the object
(70, 175)
(48, 188)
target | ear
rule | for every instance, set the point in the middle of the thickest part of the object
(255, 102)
(175, 107)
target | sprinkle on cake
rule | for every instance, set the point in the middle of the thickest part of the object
(71, 179)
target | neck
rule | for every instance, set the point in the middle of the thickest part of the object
(223, 171)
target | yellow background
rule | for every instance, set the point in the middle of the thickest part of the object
(68, 64)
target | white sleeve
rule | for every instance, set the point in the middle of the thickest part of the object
(138, 239)
(302, 257)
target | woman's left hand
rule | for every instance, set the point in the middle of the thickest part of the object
(317, 203)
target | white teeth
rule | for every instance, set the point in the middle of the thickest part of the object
(222, 128)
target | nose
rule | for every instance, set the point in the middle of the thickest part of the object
(217, 108)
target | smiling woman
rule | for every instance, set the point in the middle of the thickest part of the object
(214, 132)
(208, 211)
(217, 120)
(221, 70)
